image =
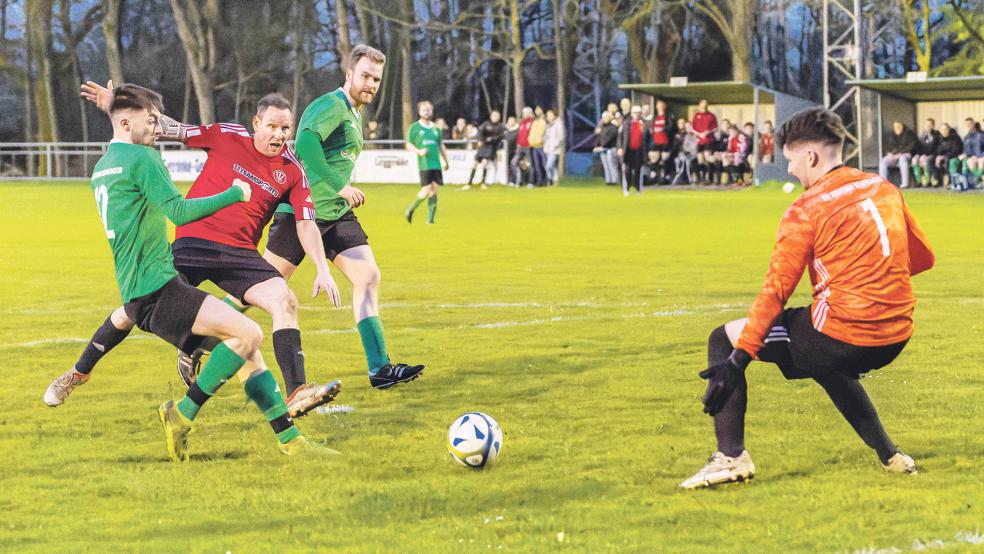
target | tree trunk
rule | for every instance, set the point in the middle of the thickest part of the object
(344, 44)
(71, 50)
(300, 61)
(516, 54)
(362, 15)
(742, 20)
(111, 34)
(29, 91)
(41, 11)
(561, 54)
(406, 77)
(197, 38)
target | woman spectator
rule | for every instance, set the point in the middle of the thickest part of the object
(553, 145)
(606, 139)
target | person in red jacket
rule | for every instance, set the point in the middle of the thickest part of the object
(861, 245)
(522, 147)
(704, 124)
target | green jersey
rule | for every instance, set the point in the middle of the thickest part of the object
(339, 126)
(428, 138)
(134, 192)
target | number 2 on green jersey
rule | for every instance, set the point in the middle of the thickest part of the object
(102, 203)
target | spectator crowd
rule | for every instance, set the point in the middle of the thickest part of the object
(936, 157)
(640, 146)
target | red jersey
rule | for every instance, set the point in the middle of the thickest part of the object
(231, 155)
(767, 146)
(635, 135)
(523, 135)
(738, 145)
(660, 136)
(704, 122)
(861, 244)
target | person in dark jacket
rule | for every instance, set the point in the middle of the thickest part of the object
(490, 136)
(948, 155)
(900, 145)
(633, 142)
(606, 146)
(923, 166)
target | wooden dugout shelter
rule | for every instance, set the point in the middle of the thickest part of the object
(912, 100)
(737, 101)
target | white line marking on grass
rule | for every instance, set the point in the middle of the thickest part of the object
(61, 340)
(920, 545)
(491, 325)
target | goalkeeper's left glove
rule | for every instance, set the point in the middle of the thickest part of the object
(722, 380)
(171, 129)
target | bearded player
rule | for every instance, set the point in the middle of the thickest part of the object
(329, 139)
(861, 245)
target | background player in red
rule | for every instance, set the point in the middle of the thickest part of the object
(861, 244)
(704, 124)
(663, 135)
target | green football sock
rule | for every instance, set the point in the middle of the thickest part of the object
(954, 165)
(977, 172)
(262, 389)
(221, 365)
(413, 205)
(431, 208)
(917, 173)
(371, 332)
(235, 305)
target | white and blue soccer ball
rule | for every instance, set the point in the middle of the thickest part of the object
(475, 440)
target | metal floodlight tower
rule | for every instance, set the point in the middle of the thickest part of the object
(842, 62)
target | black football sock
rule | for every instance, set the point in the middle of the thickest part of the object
(471, 177)
(718, 170)
(209, 343)
(290, 357)
(729, 423)
(484, 172)
(103, 340)
(853, 402)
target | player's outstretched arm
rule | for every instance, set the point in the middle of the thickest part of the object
(156, 185)
(309, 236)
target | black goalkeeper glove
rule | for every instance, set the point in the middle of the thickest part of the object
(723, 379)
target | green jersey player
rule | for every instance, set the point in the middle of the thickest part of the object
(329, 140)
(424, 139)
(134, 194)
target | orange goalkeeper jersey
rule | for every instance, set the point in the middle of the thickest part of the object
(861, 244)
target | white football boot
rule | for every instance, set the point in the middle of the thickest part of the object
(722, 469)
(901, 463)
(311, 395)
(60, 388)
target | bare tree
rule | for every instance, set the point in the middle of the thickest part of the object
(72, 35)
(344, 43)
(734, 19)
(923, 47)
(196, 27)
(111, 34)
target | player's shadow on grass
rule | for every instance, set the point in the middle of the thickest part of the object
(199, 457)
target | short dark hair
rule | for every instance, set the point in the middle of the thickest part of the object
(135, 97)
(365, 51)
(272, 100)
(812, 125)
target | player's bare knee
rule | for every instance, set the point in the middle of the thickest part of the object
(289, 303)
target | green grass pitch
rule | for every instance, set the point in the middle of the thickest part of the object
(576, 317)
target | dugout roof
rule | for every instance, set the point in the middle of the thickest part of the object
(716, 92)
(933, 89)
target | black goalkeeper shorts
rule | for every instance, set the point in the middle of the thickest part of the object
(802, 352)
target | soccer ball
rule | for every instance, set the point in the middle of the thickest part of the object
(788, 187)
(474, 440)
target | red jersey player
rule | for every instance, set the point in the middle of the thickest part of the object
(222, 248)
(704, 124)
(860, 243)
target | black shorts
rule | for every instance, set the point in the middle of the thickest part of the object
(337, 236)
(802, 352)
(170, 313)
(429, 176)
(485, 152)
(661, 148)
(709, 147)
(234, 270)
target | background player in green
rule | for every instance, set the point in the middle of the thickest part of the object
(424, 139)
(134, 193)
(329, 140)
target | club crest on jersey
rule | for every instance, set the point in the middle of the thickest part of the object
(280, 175)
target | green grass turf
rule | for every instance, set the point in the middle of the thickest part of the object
(576, 317)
